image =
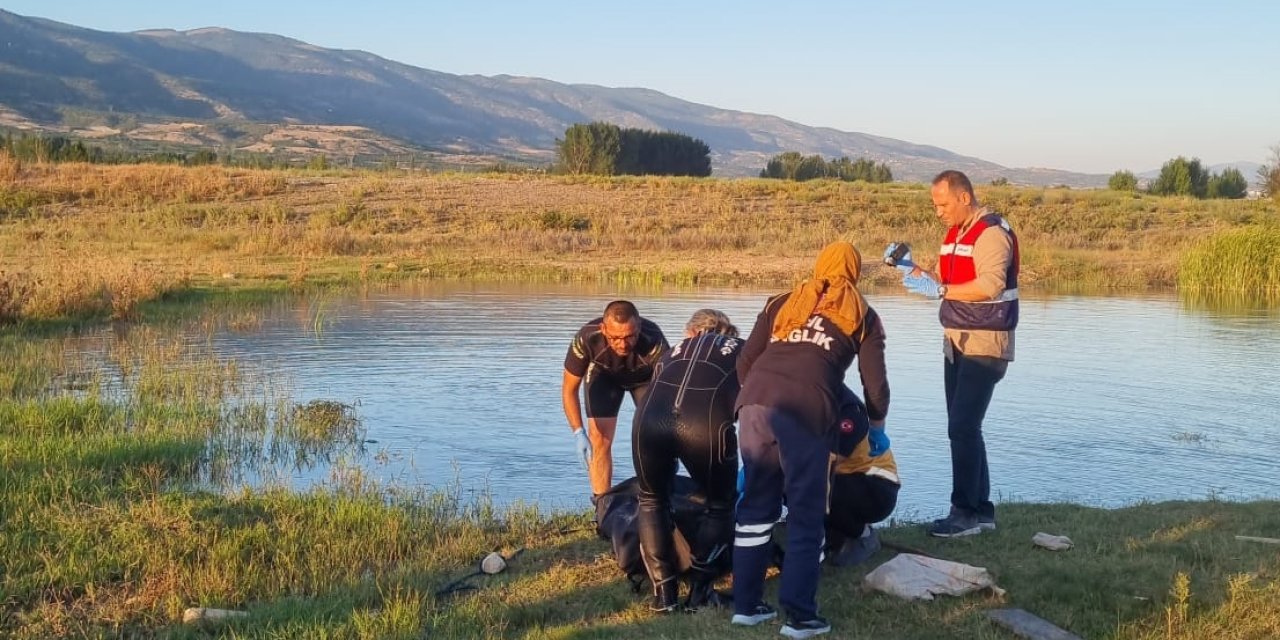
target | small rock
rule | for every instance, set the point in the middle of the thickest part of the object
(1052, 542)
(228, 276)
(203, 614)
(493, 563)
(391, 266)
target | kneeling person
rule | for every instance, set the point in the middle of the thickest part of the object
(864, 489)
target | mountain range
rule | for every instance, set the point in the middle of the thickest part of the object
(262, 92)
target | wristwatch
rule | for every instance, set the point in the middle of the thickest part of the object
(942, 291)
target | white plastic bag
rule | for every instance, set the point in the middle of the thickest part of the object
(917, 577)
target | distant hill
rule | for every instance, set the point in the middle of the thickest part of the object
(229, 89)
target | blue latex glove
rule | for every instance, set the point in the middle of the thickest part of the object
(879, 441)
(904, 264)
(583, 445)
(922, 285)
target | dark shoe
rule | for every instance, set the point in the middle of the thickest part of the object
(666, 597)
(703, 594)
(805, 628)
(755, 615)
(988, 523)
(856, 550)
(955, 525)
(707, 598)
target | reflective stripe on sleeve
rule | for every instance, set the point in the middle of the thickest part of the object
(1008, 295)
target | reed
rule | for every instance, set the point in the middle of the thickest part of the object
(1242, 261)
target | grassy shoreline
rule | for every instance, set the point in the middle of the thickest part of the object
(104, 531)
(105, 535)
(99, 240)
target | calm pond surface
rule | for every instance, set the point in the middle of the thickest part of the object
(1110, 401)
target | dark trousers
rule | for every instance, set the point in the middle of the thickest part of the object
(659, 440)
(780, 456)
(970, 382)
(858, 500)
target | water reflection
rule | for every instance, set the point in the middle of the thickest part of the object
(1231, 304)
(1110, 401)
(252, 433)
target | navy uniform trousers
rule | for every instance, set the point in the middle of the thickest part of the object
(780, 455)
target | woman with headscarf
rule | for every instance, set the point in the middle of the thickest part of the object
(792, 372)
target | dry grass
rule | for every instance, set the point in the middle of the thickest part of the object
(212, 225)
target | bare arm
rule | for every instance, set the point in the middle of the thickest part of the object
(569, 398)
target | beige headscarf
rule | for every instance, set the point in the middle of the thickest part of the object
(832, 292)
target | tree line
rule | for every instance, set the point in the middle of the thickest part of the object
(43, 148)
(601, 148)
(1186, 177)
(791, 165)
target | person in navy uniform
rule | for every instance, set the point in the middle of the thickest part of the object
(609, 357)
(792, 371)
(864, 487)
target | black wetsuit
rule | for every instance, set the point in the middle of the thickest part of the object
(607, 375)
(688, 417)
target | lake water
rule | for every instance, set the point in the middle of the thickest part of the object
(1110, 401)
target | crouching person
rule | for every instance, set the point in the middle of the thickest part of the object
(792, 370)
(687, 416)
(864, 489)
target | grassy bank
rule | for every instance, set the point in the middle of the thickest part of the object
(112, 520)
(110, 530)
(99, 240)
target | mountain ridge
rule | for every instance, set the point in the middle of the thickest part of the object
(60, 77)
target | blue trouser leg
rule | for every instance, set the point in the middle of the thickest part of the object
(970, 382)
(806, 478)
(758, 508)
(778, 454)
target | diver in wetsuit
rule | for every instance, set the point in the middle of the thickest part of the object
(609, 357)
(687, 416)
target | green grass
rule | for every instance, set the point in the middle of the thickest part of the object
(107, 532)
(114, 515)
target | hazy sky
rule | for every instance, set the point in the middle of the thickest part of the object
(1087, 85)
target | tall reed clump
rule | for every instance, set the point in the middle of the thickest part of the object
(1240, 261)
(149, 184)
(10, 168)
(89, 287)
